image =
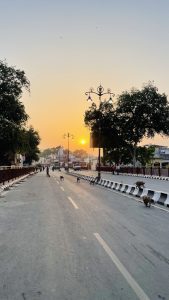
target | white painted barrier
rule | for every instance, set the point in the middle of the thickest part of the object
(144, 193)
(117, 186)
(113, 185)
(136, 191)
(123, 188)
(156, 196)
(167, 201)
(109, 185)
(129, 189)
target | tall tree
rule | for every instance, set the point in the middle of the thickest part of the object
(102, 123)
(12, 113)
(12, 83)
(9, 139)
(142, 113)
(30, 145)
(145, 154)
(80, 153)
(138, 114)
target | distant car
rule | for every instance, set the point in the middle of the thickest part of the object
(76, 168)
(57, 167)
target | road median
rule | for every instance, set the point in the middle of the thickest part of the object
(159, 197)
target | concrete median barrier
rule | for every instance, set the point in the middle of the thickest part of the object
(103, 182)
(112, 185)
(167, 201)
(124, 188)
(162, 199)
(109, 184)
(119, 186)
(136, 191)
(128, 189)
(159, 197)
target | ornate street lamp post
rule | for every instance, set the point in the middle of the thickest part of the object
(100, 92)
(68, 136)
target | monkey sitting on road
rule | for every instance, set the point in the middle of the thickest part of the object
(61, 178)
(140, 184)
(147, 201)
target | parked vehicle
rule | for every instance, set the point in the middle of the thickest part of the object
(76, 167)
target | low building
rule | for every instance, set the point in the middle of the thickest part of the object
(161, 156)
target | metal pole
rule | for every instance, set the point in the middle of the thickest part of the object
(99, 172)
(100, 93)
(99, 142)
(68, 135)
(68, 154)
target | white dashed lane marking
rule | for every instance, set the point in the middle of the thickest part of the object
(131, 281)
(73, 203)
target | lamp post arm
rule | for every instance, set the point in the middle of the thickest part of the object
(100, 94)
(112, 94)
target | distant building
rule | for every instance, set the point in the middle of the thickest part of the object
(93, 163)
(59, 153)
(161, 156)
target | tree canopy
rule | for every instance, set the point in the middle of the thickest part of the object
(80, 153)
(13, 117)
(101, 121)
(138, 114)
(12, 83)
(143, 113)
(31, 142)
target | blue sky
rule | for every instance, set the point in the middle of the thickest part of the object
(65, 47)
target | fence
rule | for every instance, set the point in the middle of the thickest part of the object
(164, 172)
(9, 174)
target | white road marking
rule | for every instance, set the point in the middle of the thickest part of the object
(73, 203)
(56, 179)
(166, 210)
(62, 188)
(131, 281)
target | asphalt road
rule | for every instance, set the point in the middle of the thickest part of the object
(154, 184)
(64, 240)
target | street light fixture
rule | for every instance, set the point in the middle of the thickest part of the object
(68, 136)
(100, 92)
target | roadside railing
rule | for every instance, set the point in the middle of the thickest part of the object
(162, 172)
(10, 174)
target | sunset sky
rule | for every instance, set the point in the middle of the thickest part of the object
(65, 47)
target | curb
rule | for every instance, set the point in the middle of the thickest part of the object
(146, 176)
(156, 196)
(142, 175)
